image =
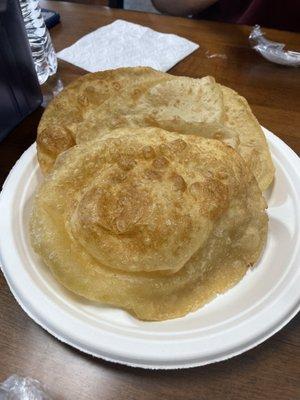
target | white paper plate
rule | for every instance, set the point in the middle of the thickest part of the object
(261, 304)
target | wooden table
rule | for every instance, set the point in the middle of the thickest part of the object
(270, 371)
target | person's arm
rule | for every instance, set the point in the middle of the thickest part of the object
(182, 7)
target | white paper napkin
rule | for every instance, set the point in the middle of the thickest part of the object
(124, 44)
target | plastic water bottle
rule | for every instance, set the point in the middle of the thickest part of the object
(43, 53)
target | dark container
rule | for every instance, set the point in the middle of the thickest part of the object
(20, 92)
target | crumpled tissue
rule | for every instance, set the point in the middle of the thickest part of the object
(124, 44)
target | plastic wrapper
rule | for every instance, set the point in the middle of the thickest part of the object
(273, 51)
(20, 388)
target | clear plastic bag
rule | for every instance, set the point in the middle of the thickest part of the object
(273, 51)
(20, 388)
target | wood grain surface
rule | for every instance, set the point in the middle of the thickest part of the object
(270, 371)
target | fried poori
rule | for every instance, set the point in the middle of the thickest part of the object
(154, 222)
(142, 97)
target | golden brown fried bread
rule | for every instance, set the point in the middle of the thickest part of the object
(175, 104)
(56, 128)
(188, 106)
(142, 97)
(252, 146)
(155, 222)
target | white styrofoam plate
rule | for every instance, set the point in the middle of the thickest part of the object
(261, 304)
